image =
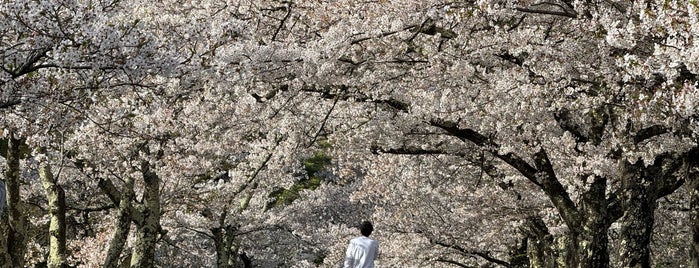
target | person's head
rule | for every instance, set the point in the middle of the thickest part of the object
(366, 228)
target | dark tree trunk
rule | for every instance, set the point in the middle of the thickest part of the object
(642, 185)
(694, 221)
(518, 255)
(148, 229)
(590, 249)
(636, 231)
(247, 262)
(692, 173)
(638, 202)
(592, 242)
(16, 235)
(123, 225)
(227, 249)
(540, 246)
(57, 213)
(586, 243)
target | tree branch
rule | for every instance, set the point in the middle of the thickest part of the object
(547, 12)
(565, 123)
(542, 175)
(485, 255)
(110, 190)
(114, 194)
(283, 20)
(671, 170)
(488, 145)
(454, 263)
(649, 132)
(384, 34)
(554, 189)
(325, 120)
(342, 93)
(9, 103)
(414, 151)
(30, 65)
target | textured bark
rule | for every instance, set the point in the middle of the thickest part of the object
(147, 231)
(636, 231)
(692, 172)
(226, 246)
(123, 225)
(57, 214)
(694, 221)
(593, 248)
(17, 221)
(590, 247)
(642, 185)
(589, 220)
(540, 244)
(518, 255)
(5, 259)
(588, 224)
(586, 244)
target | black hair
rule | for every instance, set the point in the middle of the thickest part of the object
(366, 228)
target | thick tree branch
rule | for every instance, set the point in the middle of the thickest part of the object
(542, 175)
(548, 12)
(108, 188)
(343, 93)
(30, 64)
(672, 175)
(414, 151)
(488, 145)
(9, 103)
(485, 255)
(649, 132)
(554, 189)
(464, 134)
(567, 124)
(453, 262)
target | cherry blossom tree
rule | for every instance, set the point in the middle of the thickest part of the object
(591, 103)
(510, 133)
(58, 59)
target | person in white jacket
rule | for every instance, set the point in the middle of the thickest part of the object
(362, 250)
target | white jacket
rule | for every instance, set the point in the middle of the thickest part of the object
(361, 252)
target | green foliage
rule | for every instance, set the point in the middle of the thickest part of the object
(312, 166)
(320, 258)
(316, 164)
